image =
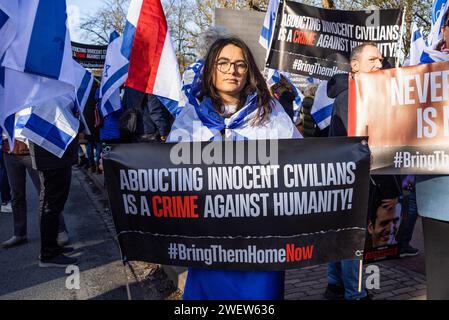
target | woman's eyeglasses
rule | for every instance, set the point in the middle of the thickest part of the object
(224, 66)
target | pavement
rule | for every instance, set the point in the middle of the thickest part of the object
(103, 276)
(400, 279)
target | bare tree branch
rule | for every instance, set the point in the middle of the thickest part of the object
(109, 17)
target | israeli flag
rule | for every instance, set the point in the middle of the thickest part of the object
(274, 76)
(115, 72)
(199, 124)
(57, 120)
(20, 120)
(268, 24)
(40, 73)
(417, 45)
(38, 63)
(191, 84)
(435, 34)
(83, 85)
(52, 124)
(9, 10)
(322, 106)
(430, 54)
(436, 9)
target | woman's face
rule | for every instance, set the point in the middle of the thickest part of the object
(230, 71)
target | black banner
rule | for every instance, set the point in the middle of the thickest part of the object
(89, 55)
(317, 42)
(248, 205)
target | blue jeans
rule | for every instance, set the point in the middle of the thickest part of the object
(345, 273)
(93, 159)
(411, 219)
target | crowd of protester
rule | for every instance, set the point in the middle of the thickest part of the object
(230, 82)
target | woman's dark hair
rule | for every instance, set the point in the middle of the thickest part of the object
(255, 82)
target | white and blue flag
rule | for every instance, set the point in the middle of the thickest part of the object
(83, 85)
(40, 56)
(322, 106)
(9, 10)
(203, 123)
(435, 34)
(417, 45)
(437, 5)
(274, 76)
(40, 73)
(191, 84)
(268, 24)
(115, 73)
(52, 124)
(430, 54)
(21, 118)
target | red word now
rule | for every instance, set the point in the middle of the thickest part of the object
(295, 254)
(175, 206)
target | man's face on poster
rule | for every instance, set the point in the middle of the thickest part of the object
(384, 230)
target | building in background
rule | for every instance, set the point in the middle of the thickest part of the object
(246, 25)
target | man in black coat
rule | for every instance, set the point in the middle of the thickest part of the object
(55, 177)
(153, 121)
(343, 275)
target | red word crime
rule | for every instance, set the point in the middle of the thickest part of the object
(175, 206)
(303, 37)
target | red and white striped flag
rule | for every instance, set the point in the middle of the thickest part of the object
(153, 67)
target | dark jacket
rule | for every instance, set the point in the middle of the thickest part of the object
(337, 88)
(308, 122)
(286, 100)
(152, 116)
(89, 116)
(309, 125)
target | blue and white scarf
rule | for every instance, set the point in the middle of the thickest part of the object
(204, 123)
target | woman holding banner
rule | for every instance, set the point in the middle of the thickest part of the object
(234, 103)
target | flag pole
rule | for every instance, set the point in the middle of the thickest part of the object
(360, 273)
(402, 37)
